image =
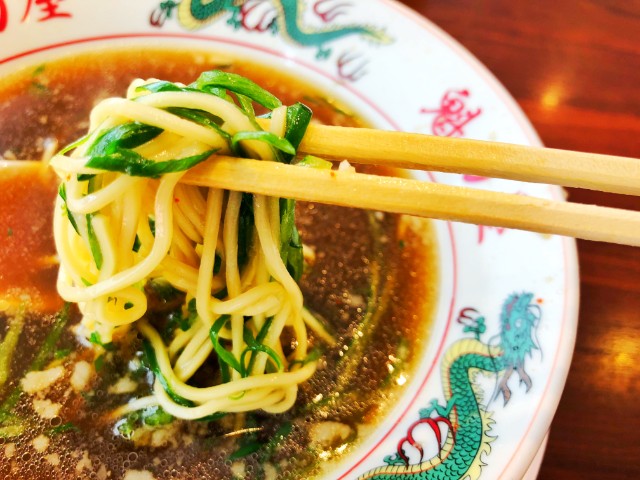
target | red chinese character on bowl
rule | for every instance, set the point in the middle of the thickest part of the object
(452, 115)
(48, 9)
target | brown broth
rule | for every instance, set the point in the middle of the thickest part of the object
(371, 281)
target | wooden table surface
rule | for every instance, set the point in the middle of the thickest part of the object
(574, 68)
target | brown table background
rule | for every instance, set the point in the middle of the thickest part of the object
(588, 54)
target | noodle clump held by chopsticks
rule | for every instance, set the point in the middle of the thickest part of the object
(124, 221)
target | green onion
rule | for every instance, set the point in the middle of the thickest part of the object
(48, 346)
(213, 417)
(237, 84)
(255, 345)
(126, 136)
(311, 161)
(156, 415)
(278, 437)
(290, 243)
(113, 151)
(62, 353)
(176, 319)
(62, 191)
(225, 373)
(163, 289)
(298, 119)
(74, 145)
(134, 164)
(203, 118)
(312, 356)
(94, 243)
(246, 106)
(126, 427)
(12, 430)
(42, 357)
(98, 363)
(263, 136)
(245, 450)
(152, 361)
(164, 86)
(136, 244)
(224, 356)
(65, 427)
(246, 223)
(8, 346)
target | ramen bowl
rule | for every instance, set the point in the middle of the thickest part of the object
(483, 319)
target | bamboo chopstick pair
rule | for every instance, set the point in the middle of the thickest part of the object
(422, 152)
(415, 197)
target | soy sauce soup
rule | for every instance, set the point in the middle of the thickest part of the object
(371, 277)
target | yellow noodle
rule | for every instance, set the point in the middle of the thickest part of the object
(106, 241)
(73, 260)
(208, 257)
(181, 339)
(317, 327)
(252, 401)
(111, 309)
(249, 297)
(182, 248)
(131, 206)
(274, 263)
(234, 120)
(273, 209)
(194, 206)
(230, 239)
(219, 391)
(193, 219)
(160, 248)
(145, 228)
(95, 201)
(158, 118)
(286, 403)
(278, 120)
(184, 222)
(194, 354)
(135, 405)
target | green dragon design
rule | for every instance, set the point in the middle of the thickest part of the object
(466, 418)
(196, 14)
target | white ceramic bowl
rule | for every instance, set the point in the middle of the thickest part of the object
(399, 72)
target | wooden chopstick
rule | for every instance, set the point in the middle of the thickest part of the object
(592, 171)
(415, 197)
